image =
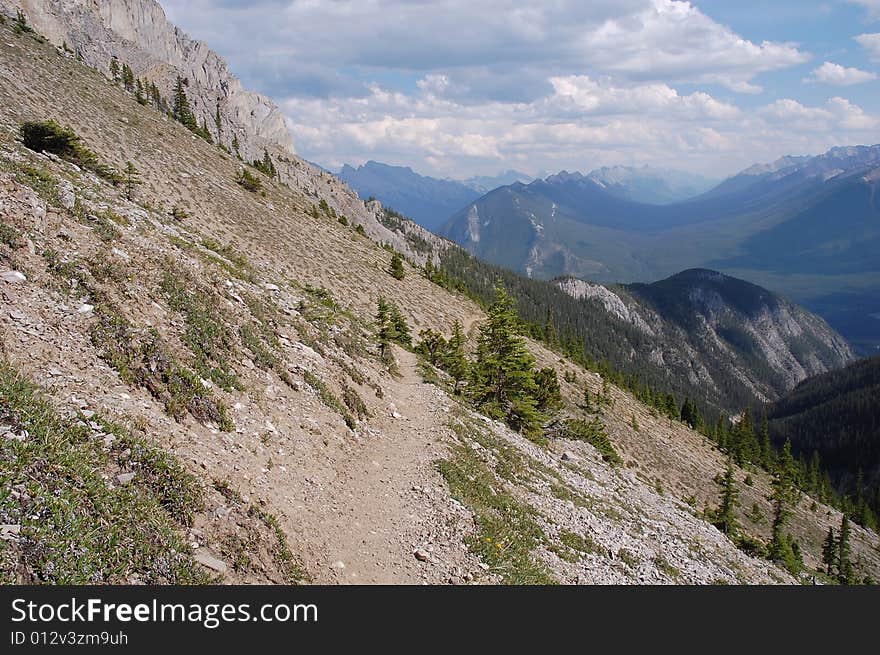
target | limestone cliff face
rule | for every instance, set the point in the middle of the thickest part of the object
(137, 33)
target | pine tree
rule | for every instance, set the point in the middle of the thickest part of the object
(725, 515)
(845, 572)
(784, 494)
(139, 92)
(384, 330)
(549, 394)
(829, 552)
(401, 332)
(114, 69)
(454, 361)
(396, 269)
(218, 122)
(766, 448)
(235, 146)
(127, 77)
(205, 133)
(550, 336)
(503, 381)
(132, 179)
(180, 109)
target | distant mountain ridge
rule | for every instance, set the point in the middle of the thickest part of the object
(428, 201)
(806, 227)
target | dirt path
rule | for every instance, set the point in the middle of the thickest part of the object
(387, 516)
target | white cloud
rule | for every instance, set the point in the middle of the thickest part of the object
(873, 7)
(837, 75)
(871, 43)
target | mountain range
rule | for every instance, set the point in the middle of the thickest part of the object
(213, 370)
(806, 227)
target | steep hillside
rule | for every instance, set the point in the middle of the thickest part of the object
(835, 415)
(233, 333)
(426, 200)
(806, 229)
(722, 334)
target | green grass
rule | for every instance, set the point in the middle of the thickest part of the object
(507, 530)
(292, 571)
(8, 235)
(663, 565)
(328, 398)
(76, 527)
(593, 432)
(574, 546)
(207, 335)
(40, 180)
(142, 359)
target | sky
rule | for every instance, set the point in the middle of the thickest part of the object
(456, 88)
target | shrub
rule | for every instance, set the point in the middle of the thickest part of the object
(248, 181)
(49, 136)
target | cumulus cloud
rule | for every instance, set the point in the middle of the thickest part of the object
(456, 87)
(871, 44)
(837, 75)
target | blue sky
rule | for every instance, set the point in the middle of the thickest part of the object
(456, 87)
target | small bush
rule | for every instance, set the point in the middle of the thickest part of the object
(49, 136)
(248, 181)
(592, 432)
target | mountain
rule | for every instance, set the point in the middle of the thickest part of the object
(835, 416)
(650, 185)
(194, 385)
(807, 228)
(722, 334)
(483, 183)
(427, 200)
(137, 33)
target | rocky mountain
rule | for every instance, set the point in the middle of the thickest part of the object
(804, 228)
(194, 366)
(137, 33)
(426, 200)
(646, 184)
(720, 333)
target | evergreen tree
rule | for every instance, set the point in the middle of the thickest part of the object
(396, 269)
(784, 494)
(127, 77)
(550, 336)
(132, 179)
(502, 377)
(114, 69)
(384, 331)
(205, 133)
(725, 515)
(139, 92)
(401, 333)
(235, 146)
(218, 122)
(845, 572)
(180, 109)
(549, 394)
(829, 552)
(454, 361)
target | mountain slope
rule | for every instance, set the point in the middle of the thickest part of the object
(835, 415)
(722, 334)
(426, 200)
(237, 338)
